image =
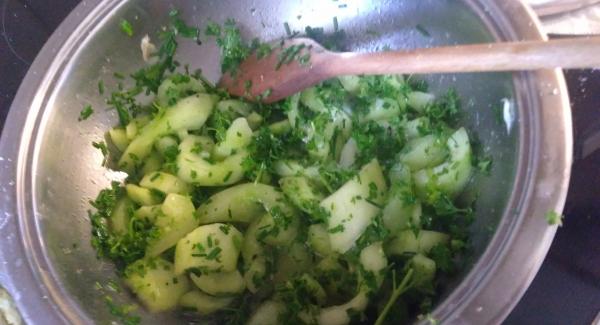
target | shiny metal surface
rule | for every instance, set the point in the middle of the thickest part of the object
(48, 169)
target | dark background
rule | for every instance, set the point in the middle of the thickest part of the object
(567, 288)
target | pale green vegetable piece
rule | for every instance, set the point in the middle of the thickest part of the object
(141, 195)
(237, 137)
(408, 242)
(281, 127)
(203, 303)
(314, 288)
(400, 213)
(243, 203)
(296, 260)
(148, 212)
(419, 100)
(277, 229)
(286, 168)
(383, 109)
(311, 99)
(152, 163)
(176, 220)
(267, 313)
(131, 130)
(155, 284)
(119, 218)
(164, 144)
(209, 248)
(251, 247)
(293, 112)
(350, 208)
(319, 241)
(235, 106)
(301, 192)
(118, 137)
(424, 270)
(193, 168)
(168, 87)
(373, 259)
(350, 83)
(165, 183)
(219, 284)
(414, 128)
(451, 176)
(348, 154)
(255, 275)
(427, 151)
(400, 173)
(189, 113)
(394, 80)
(255, 120)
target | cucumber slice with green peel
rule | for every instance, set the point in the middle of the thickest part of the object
(352, 207)
(243, 203)
(301, 192)
(419, 100)
(152, 163)
(165, 183)
(175, 221)
(423, 271)
(254, 276)
(237, 137)
(424, 152)
(318, 238)
(450, 177)
(202, 303)
(209, 248)
(169, 87)
(193, 168)
(142, 195)
(121, 213)
(311, 99)
(148, 212)
(416, 128)
(155, 284)
(268, 313)
(219, 284)
(118, 137)
(407, 242)
(189, 113)
(166, 144)
(277, 229)
(235, 107)
(383, 109)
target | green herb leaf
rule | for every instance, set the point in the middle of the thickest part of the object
(126, 27)
(86, 112)
(553, 218)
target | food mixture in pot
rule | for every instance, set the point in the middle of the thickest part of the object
(337, 205)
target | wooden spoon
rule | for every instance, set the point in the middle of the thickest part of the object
(268, 79)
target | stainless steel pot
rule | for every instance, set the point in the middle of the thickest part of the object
(48, 169)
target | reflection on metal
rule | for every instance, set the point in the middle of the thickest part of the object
(569, 17)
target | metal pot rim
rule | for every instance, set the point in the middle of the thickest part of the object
(486, 295)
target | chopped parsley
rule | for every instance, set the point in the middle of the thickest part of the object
(126, 27)
(553, 218)
(86, 112)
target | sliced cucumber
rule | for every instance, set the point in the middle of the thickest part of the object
(352, 207)
(202, 303)
(220, 284)
(155, 284)
(209, 248)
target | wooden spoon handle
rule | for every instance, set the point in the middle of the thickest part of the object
(581, 52)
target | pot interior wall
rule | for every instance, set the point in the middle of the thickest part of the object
(67, 170)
